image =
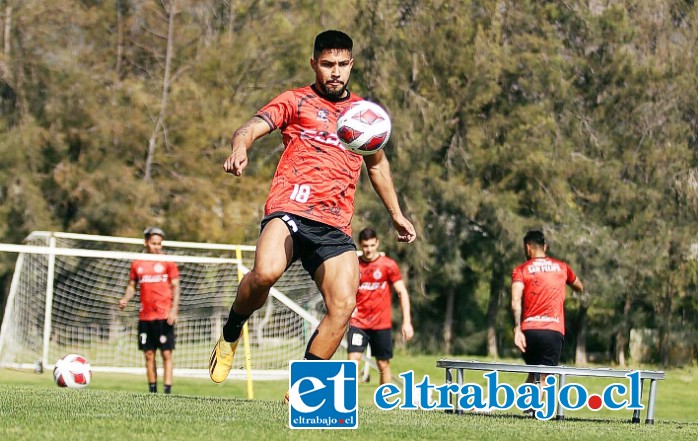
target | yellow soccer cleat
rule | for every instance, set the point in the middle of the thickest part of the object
(222, 359)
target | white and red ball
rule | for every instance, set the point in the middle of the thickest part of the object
(364, 128)
(72, 371)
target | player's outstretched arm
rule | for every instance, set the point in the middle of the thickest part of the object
(242, 140)
(382, 181)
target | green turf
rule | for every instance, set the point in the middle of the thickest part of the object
(117, 407)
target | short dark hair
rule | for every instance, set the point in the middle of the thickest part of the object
(367, 233)
(534, 237)
(331, 40)
(153, 231)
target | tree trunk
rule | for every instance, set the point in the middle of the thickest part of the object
(159, 124)
(624, 331)
(665, 329)
(448, 322)
(5, 63)
(323, 13)
(580, 351)
(496, 290)
(231, 20)
(119, 38)
(12, 71)
(7, 31)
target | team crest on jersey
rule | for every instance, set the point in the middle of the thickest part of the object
(159, 268)
(322, 115)
(377, 274)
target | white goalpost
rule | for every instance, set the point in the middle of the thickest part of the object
(66, 287)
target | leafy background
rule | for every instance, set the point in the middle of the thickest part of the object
(576, 117)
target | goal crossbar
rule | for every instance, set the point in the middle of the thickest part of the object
(77, 252)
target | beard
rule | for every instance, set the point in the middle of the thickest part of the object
(333, 93)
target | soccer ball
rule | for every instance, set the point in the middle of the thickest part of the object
(364, 128)
(73, 371)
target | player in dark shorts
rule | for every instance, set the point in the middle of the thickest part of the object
(158, 283)
(543, 347)
(538, 289)
(311, 202)
(371, 323)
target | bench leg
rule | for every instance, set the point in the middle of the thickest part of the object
(560, 410)
(459, 379)
(636, 413)
(449, 380)
(650, 402)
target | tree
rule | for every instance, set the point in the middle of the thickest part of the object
(160, 121)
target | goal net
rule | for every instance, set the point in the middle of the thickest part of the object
(66, 288)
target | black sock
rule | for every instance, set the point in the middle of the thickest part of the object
(309, 356)
(153, 388)
(168, 388)
(233, 327)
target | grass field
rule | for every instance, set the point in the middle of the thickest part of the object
(116, 407)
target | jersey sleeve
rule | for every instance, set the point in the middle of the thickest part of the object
(279, 111)
(173, 271)
(393, 272)
(571, 276)
(133, 275)
(517, 275)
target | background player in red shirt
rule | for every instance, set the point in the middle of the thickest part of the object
(311, 201)
(538, 288)
(158, 283)
(371, 323)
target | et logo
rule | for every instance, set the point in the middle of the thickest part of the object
(323, 394)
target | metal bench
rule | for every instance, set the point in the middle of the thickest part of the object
(562, 372)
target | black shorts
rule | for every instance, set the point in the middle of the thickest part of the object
(381, 342)
(154, 334)
(313, 242)
(543, 347)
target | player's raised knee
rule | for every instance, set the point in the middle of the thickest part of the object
(264, 278)
(342, 305)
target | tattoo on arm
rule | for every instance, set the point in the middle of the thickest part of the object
(243, 130)
(249, 132)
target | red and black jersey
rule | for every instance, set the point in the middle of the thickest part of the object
(374, 298)
(316, 176)
(154, 282)
(545, 282)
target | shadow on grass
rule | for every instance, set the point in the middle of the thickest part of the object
(604, 421)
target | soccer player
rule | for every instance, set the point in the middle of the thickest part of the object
(371, 323)
(538, 289)
(158, 283)
(311, 202)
